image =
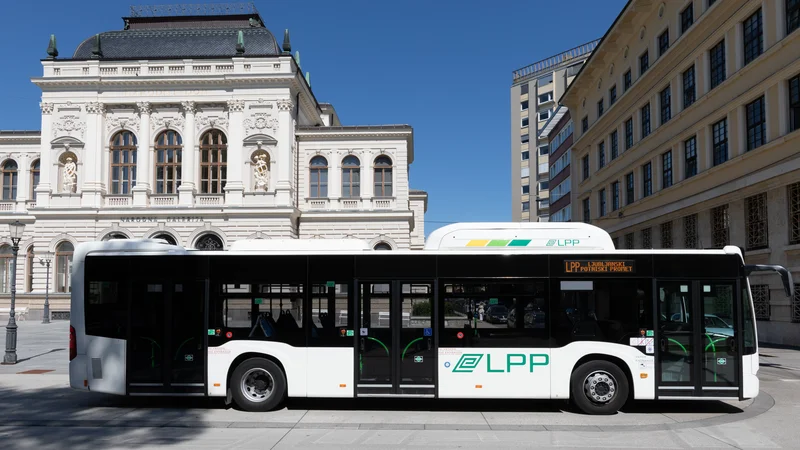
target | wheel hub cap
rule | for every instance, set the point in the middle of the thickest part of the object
(600, 387)
(257, 385)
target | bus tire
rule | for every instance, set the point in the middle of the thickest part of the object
(258, 384)
(599, 387)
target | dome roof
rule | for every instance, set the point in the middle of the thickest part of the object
(160, 43)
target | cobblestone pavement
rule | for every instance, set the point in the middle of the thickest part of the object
(42, 412)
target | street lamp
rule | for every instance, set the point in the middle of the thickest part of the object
(10, 357)
(45, 260)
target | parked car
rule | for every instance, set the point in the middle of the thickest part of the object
(496, 314)
(534, 317)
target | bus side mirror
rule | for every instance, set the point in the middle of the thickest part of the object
(786, 276)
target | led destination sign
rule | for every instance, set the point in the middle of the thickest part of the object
(588, 266)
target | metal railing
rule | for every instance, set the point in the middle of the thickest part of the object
(198, 9)
(546, 64)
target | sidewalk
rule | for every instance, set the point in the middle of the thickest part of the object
(39, 347)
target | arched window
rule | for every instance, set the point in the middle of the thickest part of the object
(123, 162)
(351, 177)
(169, 149)
(318, 177)
(64, 266)
(6, 259)
(382, 246)
(34, 178)
(114, 235)
(29, 269)
(208, 242)
(167, 237)
(383, 176)
(9, 180)
(213, 162)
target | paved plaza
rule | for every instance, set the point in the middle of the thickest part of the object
(42, 412)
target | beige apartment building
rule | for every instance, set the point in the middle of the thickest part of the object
(535, 91)
(687, 135)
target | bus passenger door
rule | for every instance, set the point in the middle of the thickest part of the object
(697, 349)
(395, 352)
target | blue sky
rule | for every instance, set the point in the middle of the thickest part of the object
(442, 66)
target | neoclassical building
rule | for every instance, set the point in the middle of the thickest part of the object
(197, 127)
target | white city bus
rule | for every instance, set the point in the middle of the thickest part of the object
(538, 310)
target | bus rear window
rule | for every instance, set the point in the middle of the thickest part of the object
(105, 310)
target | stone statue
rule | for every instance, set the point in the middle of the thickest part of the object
(261, 173)
(70, 176)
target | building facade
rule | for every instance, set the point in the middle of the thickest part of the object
(559, 135)
(689, 132)
(535, 91)
(200, 130)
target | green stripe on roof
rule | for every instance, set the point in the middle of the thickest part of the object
(519, 243)
(498, 243)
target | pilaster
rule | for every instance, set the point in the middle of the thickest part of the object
(142, 188)
(234, 186)
(187, 188)
(46, 166)
(90, 191)
(283, 185)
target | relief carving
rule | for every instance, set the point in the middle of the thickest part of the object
(69, 125)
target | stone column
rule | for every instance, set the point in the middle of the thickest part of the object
(234, 186)
(142, 188)
(285, 160)
(90, 194)
(23, 181)
(46, 165)
(334, 178)
(189, 171)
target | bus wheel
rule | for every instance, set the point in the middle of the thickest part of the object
(599, 387)
(258, 384)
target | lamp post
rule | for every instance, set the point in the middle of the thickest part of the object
(45, 260)
(10, 357)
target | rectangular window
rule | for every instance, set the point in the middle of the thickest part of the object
(756, 124)
(626, 81)
(760, 301)
(545, 80)
(690, 156)
(753, 37)
(666, 170)
(524, 105)
(614, 145)
(546, 97)
(717, 59)
(756, 223)
(628, 133)
(585, 162)
(687, 18)
(647, 179)
(794, 213)
(615, 196)
(526, 206)
(525, 122)
(794, 102)
(543, 150)
(542, 168)
(544, 115)
(645, 114)
(526, 155)
(601, 155)
(666, 235)
(629, 241)
(585, 124)
(602, 202)
(666, 105)
(523, 89)
(525, 138)
(719, 133)
(543, 185)
(792, 15)
(586, 211)
(647, 238)
(720, 226)
(689, 87)
(612, 95)
(644, 63)
(600, 108)
(629, 188)
(526, 189)
(690, 231)
(663, 43)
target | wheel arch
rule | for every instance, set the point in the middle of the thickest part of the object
(248, 355)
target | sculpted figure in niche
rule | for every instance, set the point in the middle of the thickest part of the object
(261, 173)
(70, 176)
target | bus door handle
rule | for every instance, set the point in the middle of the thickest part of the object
(663, 345)
(362, 344)
(732, 350)
(429, 344)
